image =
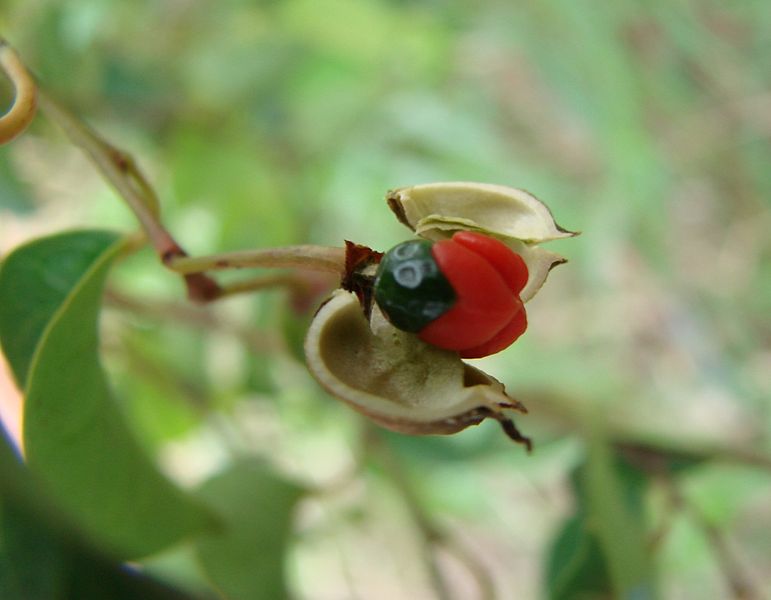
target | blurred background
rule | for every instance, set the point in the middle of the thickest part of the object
(646, 126)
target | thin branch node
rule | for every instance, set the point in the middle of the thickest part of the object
(202, 289)
(175, 251)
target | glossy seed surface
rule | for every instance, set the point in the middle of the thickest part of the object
(409, 287)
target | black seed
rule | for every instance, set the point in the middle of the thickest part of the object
(409, 287)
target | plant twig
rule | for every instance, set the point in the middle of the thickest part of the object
(736, 575)
(650, 448)
(739, 581)
(255, 341)
(122, 172)
(264, 282)
(22, 111)
(429, 531)
(132, 186)
(433, 534)
(316, 258)
(117, 167)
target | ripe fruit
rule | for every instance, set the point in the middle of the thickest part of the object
(460, 294)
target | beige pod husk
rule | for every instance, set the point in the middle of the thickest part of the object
(435, 211)
(394, 378)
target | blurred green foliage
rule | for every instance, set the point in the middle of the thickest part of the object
(645, 125)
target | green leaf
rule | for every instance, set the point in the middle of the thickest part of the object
(615, 511)
(31, 567)
(35, 280)
(581, 559)
(38, 563)
(93, 579)
(576, 566)
(75, 436)
(42, 557)
(31, 564)
(246, 560)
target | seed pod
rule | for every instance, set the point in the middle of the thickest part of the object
(394, 378)
(458, 292)
(435, 211)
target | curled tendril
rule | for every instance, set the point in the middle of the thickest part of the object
(24, 104)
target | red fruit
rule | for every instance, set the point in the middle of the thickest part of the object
(501, 340)
(487, 277)
(508, 263)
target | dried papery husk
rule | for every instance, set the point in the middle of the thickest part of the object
(393, 377)
(437, 210)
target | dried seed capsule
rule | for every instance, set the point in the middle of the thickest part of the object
(396, 380)
(435, 211)
(401, 377)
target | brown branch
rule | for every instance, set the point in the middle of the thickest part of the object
(191, 316)
(316, 258)
(22, 111)
(122, 172)
(291, 281)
